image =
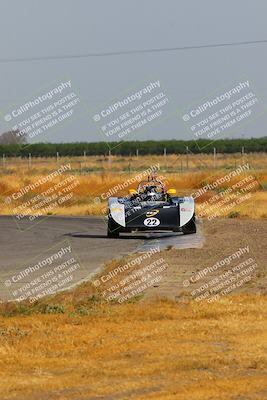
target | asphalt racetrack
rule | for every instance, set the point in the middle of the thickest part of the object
(28, 244)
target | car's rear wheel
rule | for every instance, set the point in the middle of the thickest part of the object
(190, 227)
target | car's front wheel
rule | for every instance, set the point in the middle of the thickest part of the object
(190, 227)
(112, 230)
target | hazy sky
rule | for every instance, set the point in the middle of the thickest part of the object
(34, 28)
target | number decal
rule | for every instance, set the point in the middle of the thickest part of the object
(151, 222)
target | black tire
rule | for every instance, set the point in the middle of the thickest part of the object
(113, 230)
(190, 227)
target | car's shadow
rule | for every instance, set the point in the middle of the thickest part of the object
(144, 236)
(95, 236)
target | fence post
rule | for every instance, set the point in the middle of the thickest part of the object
(187, 157)
(30, 160)
(4, 161)
(214, 157)
(165, 158)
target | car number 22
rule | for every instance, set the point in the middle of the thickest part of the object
(151, 222)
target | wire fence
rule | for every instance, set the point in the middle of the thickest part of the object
(87, 164)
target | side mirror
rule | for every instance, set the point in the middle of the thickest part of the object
(132, 191)
(171, 191)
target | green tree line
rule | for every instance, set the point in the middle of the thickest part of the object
(130, 147)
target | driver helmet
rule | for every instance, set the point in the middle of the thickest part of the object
(152, 193)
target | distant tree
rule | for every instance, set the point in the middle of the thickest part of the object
(13, 137)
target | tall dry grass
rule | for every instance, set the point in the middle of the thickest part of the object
(158, 350)
(96, 176)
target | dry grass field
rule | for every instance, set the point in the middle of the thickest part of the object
(155, 350)
(96, 176)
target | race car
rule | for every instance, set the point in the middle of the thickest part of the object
(151, 208)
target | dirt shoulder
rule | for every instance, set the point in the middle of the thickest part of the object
(231, 261)
(225, 240)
